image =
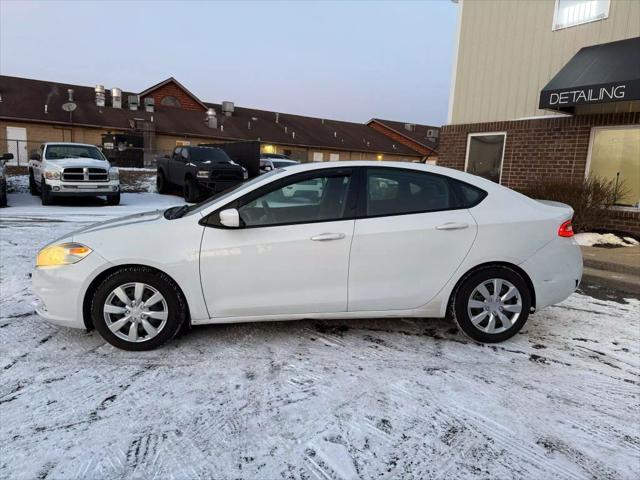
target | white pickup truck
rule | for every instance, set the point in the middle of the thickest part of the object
(72, 169)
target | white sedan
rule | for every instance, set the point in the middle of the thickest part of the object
(377, 239)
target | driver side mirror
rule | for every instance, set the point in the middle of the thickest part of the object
(230, 218)
(35, 156)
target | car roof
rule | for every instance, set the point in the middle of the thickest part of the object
(424, 167)
(70, 143)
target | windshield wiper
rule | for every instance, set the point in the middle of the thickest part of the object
(175, 212)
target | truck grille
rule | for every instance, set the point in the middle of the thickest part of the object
(79, 174)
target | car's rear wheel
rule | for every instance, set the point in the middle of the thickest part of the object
(191, 190)
(161, 182)
(492, 304)
(138, 308)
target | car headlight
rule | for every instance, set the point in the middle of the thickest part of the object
(62, 254)
(114, 173)
(203, 174)
(52, 174)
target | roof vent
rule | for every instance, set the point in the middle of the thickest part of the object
(410, 127)
(293, 135)
(227, 108)
(100, 97)
(133, 102)
(433, 133)
(249, 125)
(70, 93)
(116, 98)
(211, 120)
(277, 117)
(149, 104)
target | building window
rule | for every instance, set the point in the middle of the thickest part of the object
(318, 157)
(576, 12)
(170, 101)
(334, 157)
(485, 152)
(615, 155)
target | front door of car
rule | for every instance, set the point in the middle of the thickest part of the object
(290, 254)
(408, 241)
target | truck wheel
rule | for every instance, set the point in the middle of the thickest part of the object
(191, 190)
(113, 199)
(45, 193)
(161, 183)
(137, 308)
(3, 197)
(33, 187)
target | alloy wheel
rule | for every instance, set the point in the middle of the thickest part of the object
(135, 312)
(494, 305)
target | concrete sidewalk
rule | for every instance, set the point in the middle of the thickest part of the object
(616, 268)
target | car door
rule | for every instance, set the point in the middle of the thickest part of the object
(290, 254)
(409, 238)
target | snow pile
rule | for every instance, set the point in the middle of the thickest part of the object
(17, 183)
(604, 240)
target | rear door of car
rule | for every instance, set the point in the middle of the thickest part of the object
(411, 235)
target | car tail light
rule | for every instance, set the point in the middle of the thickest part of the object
(566, 229)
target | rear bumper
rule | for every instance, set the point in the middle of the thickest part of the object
(555, 270)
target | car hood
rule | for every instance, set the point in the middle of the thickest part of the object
(120, 222)
(79, 162)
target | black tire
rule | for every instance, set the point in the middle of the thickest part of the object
(45, 193)
(3, 197)
(33, 187)
(176, 306)
(161, 183)
(191, 190)
(113, 199)
(461, 308)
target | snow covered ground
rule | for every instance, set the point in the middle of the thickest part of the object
(328, 400)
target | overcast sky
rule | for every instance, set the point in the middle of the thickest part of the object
(341, 60)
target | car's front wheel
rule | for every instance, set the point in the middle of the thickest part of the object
(45, 193)
(191, 190)
(33, 188)
(137, 308)
(492, 304)
(161, 183)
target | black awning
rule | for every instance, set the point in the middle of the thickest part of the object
(604, 73)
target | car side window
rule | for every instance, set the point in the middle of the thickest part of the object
(315, 199)
(397, 192)
(185, 153)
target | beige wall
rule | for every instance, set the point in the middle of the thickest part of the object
(507, 53)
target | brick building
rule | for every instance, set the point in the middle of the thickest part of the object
(168, 114)
(546, 89)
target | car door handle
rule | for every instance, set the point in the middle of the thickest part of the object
(325, 237)
(452, 226)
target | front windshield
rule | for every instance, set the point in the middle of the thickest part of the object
(227, 193)
(203, 154)
(57, 152)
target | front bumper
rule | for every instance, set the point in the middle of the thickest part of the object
(214, 186)
(60, 290)
(60, 188)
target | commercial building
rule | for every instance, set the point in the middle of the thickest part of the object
(548, 89)
(168, 114)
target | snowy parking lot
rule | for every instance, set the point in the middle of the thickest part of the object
(311, 399)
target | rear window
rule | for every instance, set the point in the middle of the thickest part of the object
(397, 192)
(468, 195)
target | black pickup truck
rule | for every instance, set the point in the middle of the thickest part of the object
(198, 171)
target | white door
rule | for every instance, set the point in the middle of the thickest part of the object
(291, 254)
(17, 144)
(410, 243)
